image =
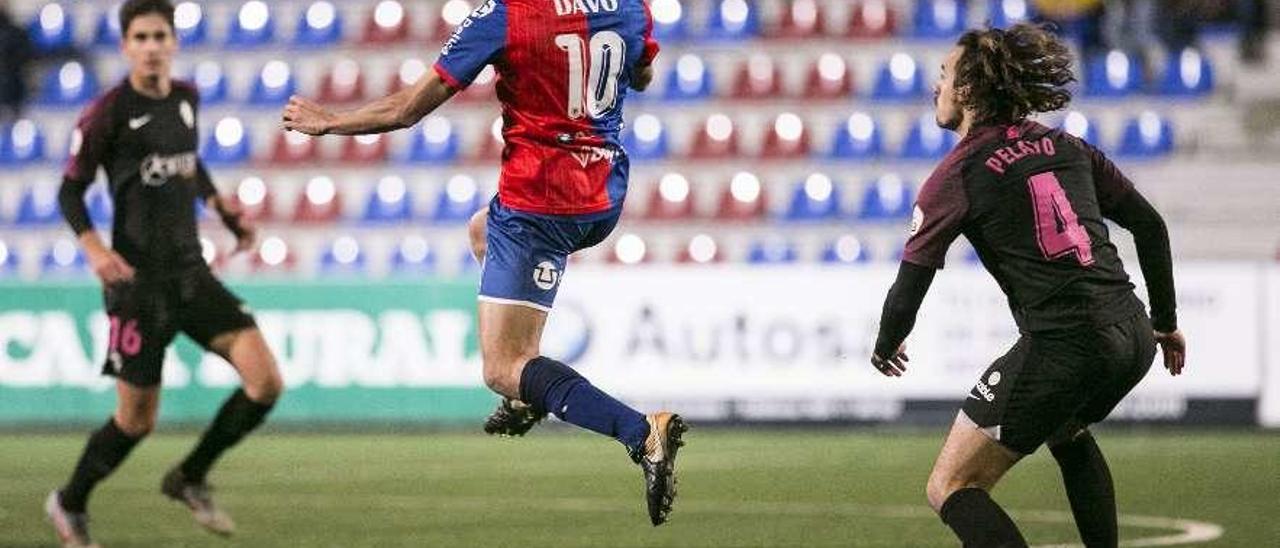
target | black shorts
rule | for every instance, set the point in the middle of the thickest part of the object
(1049, 380)
(147, 313)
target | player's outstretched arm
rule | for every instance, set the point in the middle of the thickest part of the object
(231, 215)
(1151, 237)
(399, 110)
(898, 317)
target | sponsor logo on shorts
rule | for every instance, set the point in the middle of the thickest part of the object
(545, 275)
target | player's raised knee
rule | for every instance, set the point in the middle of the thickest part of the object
(135, 424)
(941, 486)
(267, 389)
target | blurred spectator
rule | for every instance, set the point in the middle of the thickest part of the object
(15, 53)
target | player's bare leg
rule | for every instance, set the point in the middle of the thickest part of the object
(509, 344)
(967, 468)
(134, 418)
(247, 351)
(1090, 490)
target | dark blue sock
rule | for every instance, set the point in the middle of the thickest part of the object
(551, 386)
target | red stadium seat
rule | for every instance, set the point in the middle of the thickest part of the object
(829, 78)
(407, 74)
(388, 23)
(629, 249)
(254, 198)
(452, 13)
(872, 19)
(800, 19)
(758, 78)
(490, 149)
(482, 88)
(743, 199)
(292, 148)
(787, 138)
(274, 254)
(366, 149)
(320, 202)
(671, 199)
(701, 249)
(344, 83)
(717, 139)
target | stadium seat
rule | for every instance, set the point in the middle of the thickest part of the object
(366, 149)
(254, 198)
(39, 206)
(645, 138)
(887, 199)
(98, 200)
(106, 33)
(670, 22)
(717, 139)
(771, 251)
(390, 202)
(671, 199)
(758, 78)
(1005, 13)
(630, 249)
(743, 200)
(1147, 136)
(227, 145)
(1187, 74)
(388, 23)
(857, 139)
(458, 201)
(690, 79)
(786, 139)
(211, 82)
(319, 25)
(63, 258)
(829, 78)
(274, 255)
(733, 20)
(939, 18)
(8, 260)
(701, 249)
(408, 74)
(482, 89)
(900, 79)
(1077, 124)
(800, 19)
(69, 84)
(452, 13)
(815, 199)
(21, 143)
(52, 29)
(191, 25)
(414, 256)
(1113, 74)
(252, 26)
(294, 148)
(490, 148)
(320, 202)
(434, 141)
(343, 257)
(274, 85)
(847, 249)
(872, 19)
(927, 141)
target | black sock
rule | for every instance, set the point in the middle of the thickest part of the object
(106, 449)
(979, 521)
(238, 416)
(549, 385)
(1089, 488)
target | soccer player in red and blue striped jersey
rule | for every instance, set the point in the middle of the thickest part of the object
(564, 69)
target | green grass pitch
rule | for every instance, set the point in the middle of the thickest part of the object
(738, 487)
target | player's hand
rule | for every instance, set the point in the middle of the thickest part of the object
(1174, 347)
(893, 366)
(234, 218)
(110, 267)
(305, 116)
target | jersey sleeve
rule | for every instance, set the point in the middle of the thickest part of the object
(939, 214)
(1111, 186)
(90, 142)
(477, 42)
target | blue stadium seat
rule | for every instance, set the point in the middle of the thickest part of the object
(39, 206)
(689, 79)
(21, 143)
(390, 202)
(211, 81)
(52, 29)
(343, 257)
(847, 249)
(98, 200)
(1076, 123)
(1147, 136)
(274, 84)
(815, 199)
(63, 258)
(733, 20)
(458, 201)
(646, 138)
(1187, 74)
(107, 32)
(888, 198)
(414, 256)
(1004, 13)
(927, 141)
(69, 84)
(251, 26)
(319, 25)
(899, 79)
(191, 24)
(8, 260)
(1113, 74)
(670, 22)
(939, 18)
(771, 251)
(857, 139)
(434, 141)
(228, 144)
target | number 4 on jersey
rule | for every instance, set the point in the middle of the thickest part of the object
(1058, 229)
(596, 92)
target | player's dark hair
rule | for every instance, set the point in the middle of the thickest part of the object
(1004, 75)
(133, 9)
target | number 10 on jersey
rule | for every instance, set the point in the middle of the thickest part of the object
(594, 68)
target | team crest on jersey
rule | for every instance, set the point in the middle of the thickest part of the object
(917, 221)
(545, 275)
(590, 155)
(188, 114)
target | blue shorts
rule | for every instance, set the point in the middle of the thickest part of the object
(526, 253)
